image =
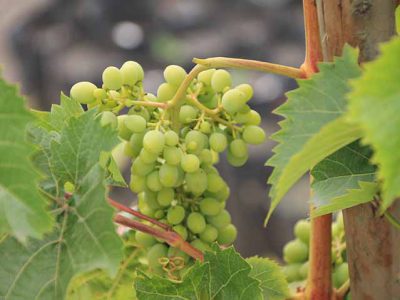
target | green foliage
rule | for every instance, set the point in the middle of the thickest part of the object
(113, 173)
(344, 179)
(309, 127)
(22, 208)
(374, 105)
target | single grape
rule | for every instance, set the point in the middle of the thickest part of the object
(220, 80)
(174, 75)
(200, 245)
(218, 141)
(154, 141)
(190, 163)
(175, 214)
(341, 274)
(253, 118)
(156, 252)
(140, 111)
(206, 156)
(205, 127)
(205, 76)
(253, 135)
(227, 235)
(233, 101)
(215, 182)
(196, 222)
(171, 138)
(302, 231)
(108, 118)
(210, 207)
(165, 92)
(223, 194)
(137, 183)
(159, 214)
(136, 142)
(99, 94)
(246, 89)
(176, 255)
(181, 230)
(187, 114)
(83, 92)
(234, 160)
(141, 168)
(165, 196)
(195, 141)
(132, 72)
(172, 155)
(196, 182)
(295, 252)
(134, 123)
(150, 198)
(238, 148)
(144, 239)
(291, 272)
(221, 220)
(112, 78)
(123, 131)
(147, 157)
(303, 271)
(69, 187)
(168, 175)
(209, 234)
(153, 181)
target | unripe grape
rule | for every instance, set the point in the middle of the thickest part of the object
(196, 222)
(144, 239)
(200, 245)
(132, 72)
(165, 92)
(112, 78)
(171, 138)
(302, 231)
(295, 252)
(83, 92)
(206, 156)
(147, 157)
(221, 220)
(141, 168)
(151, 199)
(205, 76)
(341, 274)
(137, 183)
(154, 141)
(209, 234)
(210, 207)
(227, 235)
(181, 230)
(159, 214)
(253, 118)
(238, 148)
(165, 196)
(134, 123)
(168, 175)
(292, 272)
(177, 253)
(253, 135)
(69, 187)
(195, 141)
(215, 182)
(156, 252)
(220, 80)
(187, 114)
(234, 160)
(99, 94)
(205, 127)
(172, 155)
(153, 181)
(175, 214)
(190, 163)
(233, 101)
(123, 131)
(136, 142)
(196, 182)
(218, 141)
(223, 194)
(108, 118)
(303, 271)
(174, 75)
(246, 89)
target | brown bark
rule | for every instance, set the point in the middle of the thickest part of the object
(373, 244)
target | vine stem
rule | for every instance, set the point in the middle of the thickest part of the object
(248, 64)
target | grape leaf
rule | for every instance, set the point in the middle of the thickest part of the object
(374, 104)
(113, 175)
(269, 273)
(22, 209)
(224, 274)
(343, 179)
(317, 102)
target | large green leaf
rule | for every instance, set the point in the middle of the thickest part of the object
(343, 179)
(375, 106)
(309, 126)
(22, 209)
(271, 277)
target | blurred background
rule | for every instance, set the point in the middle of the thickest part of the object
(47, 45)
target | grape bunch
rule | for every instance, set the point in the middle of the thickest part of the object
(174, 147)
(295, 254)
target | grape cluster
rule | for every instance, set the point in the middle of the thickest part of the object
(174, 148)
(295, 254)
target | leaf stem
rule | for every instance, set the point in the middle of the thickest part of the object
(248, 64)
(392, 220)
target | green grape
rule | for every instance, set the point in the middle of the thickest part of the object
(165, 92)
(238, 148)
(174, 75)
(210, 207)
(215, 182)
(303, 271)
(233, 101)
(165, 196)
(206, 157)
(187, 114)
(181, 177)
(292, 272)
(171, 138)
(253, 118)
(253, 135)
(108, 118)
(236, 161)
(147, 157)
(136, 142)
(156, 252)
(196, 222)
(137, 183)
(218, 141)
(151, 199)
(220, 80)
(213, 102)
(99, 94)
(341, 274)
(295, 252)
(194, 141)
(172, 155)
(205, 76)
(153, 181)
(336, 231)
(247, 90)
(154, 141)
(83, 92)
(181, 230)
(190, 163)
(132, 72)
(175, 214)
(144, 239)
(227, 235)
(200, 245)
(140, 111)
(134, 123)
(168, 175)
(159, 214)
(221, 220)
(302, 231)
(209, 234)
(177, 253)
(123, 131)
(196, 182)
(112, 78)
(69, 187)
(141, 168)
(205, 127)
(223, 194)
(340, 221)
